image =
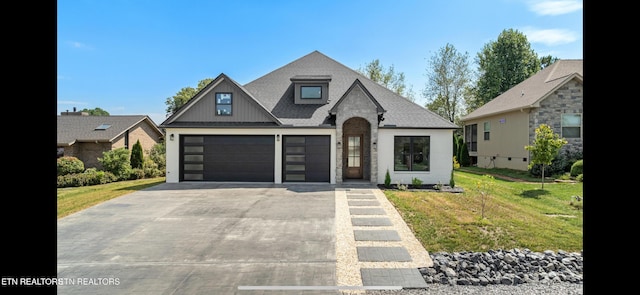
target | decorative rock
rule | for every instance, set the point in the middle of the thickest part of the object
(512, 267)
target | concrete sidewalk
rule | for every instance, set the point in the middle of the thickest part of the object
(214, 238)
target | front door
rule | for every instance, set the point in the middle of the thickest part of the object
(354, 157)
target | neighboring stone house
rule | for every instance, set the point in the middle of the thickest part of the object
(88, 137)
(311, 120)
(497, 132)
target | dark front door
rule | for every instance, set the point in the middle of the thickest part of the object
(353, 156)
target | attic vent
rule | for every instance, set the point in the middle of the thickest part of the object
(103, 127)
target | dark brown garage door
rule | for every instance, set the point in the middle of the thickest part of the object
(306, 158)
(228, 158)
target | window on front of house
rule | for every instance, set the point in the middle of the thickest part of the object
(223, 104)
(411, 153)
(487, 130)
(571, 124)
(311, 92)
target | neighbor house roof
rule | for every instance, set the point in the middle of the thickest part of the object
(275, 93)
(529, 93)
(84, 128)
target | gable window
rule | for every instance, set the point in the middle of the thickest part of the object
(571, 125)
(224, 103)
(311, 92)
(487, 130)
(411, 153)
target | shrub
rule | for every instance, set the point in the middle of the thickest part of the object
(452, 183)
(576, 168)
(158, 155)
(117, 161)
(137, 156)
(465, 160)
(151, 169)
(579, 177)
(416, 182)
(387, 179)
(561, 163)
(89, 177)
(69, 165)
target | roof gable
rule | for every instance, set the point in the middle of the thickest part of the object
(357, 83)
(530, 92)
(199, 109)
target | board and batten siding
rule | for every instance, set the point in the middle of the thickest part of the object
(244, 108)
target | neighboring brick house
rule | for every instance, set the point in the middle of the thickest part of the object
(88, 137)
(497, 132)
(311, 120)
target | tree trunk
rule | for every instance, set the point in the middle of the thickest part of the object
(542, 176)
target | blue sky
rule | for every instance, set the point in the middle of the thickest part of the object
(128, 56)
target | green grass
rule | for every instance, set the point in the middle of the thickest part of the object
(74, 199)
(516, 215)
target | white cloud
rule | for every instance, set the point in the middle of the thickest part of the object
(555, 7)
(550, 37)
(76, 44)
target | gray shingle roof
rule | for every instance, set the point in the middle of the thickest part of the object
(530, 92)
(275, 91)
(73, 128)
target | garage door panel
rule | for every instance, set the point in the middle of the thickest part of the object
(238, 158)
(306, 158)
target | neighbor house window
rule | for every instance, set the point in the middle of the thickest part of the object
(223, 104)
(571, 124)
(311, 92)
(487, 130)
(471, 137)
(411, 153)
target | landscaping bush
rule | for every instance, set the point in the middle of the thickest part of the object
(416, 182)
(117, 161)
(576, 168)
(137, 156)
(387, 179)
(151, 169)
(69, 165)
(89, 177)
(158, 156)
(561, 163)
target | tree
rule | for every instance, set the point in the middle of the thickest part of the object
(184, 95)
(448, 75)
(137, 156)
(545, 147)
(502, 64)
(96, 112)
(546, 61)
(387, 78)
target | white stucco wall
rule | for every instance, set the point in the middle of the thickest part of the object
(173, 146)
(441, 149)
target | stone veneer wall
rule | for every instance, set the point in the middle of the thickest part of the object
(566, 100)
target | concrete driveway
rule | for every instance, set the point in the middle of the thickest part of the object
(201, 238)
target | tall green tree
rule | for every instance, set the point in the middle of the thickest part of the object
(502, 64)
(546, 146)
(448, 76)
(137, 156)
(96, 112)
(185, 94)
(388, 78)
